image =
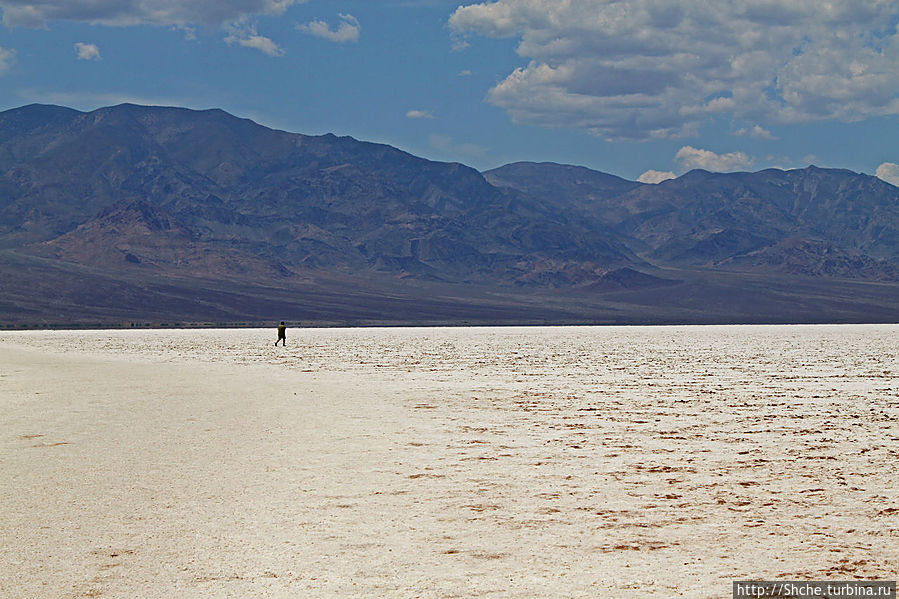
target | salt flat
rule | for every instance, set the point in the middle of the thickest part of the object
(460, 462)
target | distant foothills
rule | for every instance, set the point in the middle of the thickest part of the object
(135, 215)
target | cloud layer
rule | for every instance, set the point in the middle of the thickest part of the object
(756, 132)
(6, 57)
(889, 172)
(243, 33)
(652, 176)
(25, 13)
(643, 69)
(690, 158)
(348, 30)
(87, 51)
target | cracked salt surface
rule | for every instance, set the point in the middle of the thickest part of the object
(447, 462)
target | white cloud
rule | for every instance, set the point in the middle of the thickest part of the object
(691, 158)
(7, 55)
(190, 33)
(419, 114)
(652, 176)
(347, 31)
(31, 13)
(643, 69)
(756, 132)
(460, 44)
(464, 73)
(243, 33)
(263, 44)
(889, 172)
(87, 51)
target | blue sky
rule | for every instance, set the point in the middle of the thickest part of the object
(639, 88)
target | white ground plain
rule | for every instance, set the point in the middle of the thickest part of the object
(485, 462)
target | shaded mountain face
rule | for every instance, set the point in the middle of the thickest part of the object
(736, 220)
(141, 238)
(168, 213)
(285, 199)
(562, 186)
(796, 255)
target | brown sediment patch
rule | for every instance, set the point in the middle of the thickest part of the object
(488, 555)
(57, 444)
(482, 507)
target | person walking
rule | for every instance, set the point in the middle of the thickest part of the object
(282, 334)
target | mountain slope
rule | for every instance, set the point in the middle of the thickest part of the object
(562, 186)
(170, 214)
(139, 237)
(322, 202)
(728, 220)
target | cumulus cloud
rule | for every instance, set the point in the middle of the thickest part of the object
(347, 31)
(419, 114)
(190, 33)
(6, 57)
(691, 158)
(460, 44)
(644, 69)
(464, 73)
(87, 51)
(756, 132)
(30, 13)
(243, 33)
(889, 172)
(652, 176)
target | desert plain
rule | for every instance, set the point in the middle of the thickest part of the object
(446, 462)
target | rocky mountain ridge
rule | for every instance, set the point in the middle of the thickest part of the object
(304, 202)
(737, 221)
(188, 199)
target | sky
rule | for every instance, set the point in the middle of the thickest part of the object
(643, 89)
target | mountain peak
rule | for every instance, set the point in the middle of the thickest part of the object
(27, 119)
(201, 193)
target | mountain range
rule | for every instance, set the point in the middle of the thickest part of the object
(154, 215)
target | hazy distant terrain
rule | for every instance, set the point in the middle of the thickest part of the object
(165, 214)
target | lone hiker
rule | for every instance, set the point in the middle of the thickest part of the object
(282, 334)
